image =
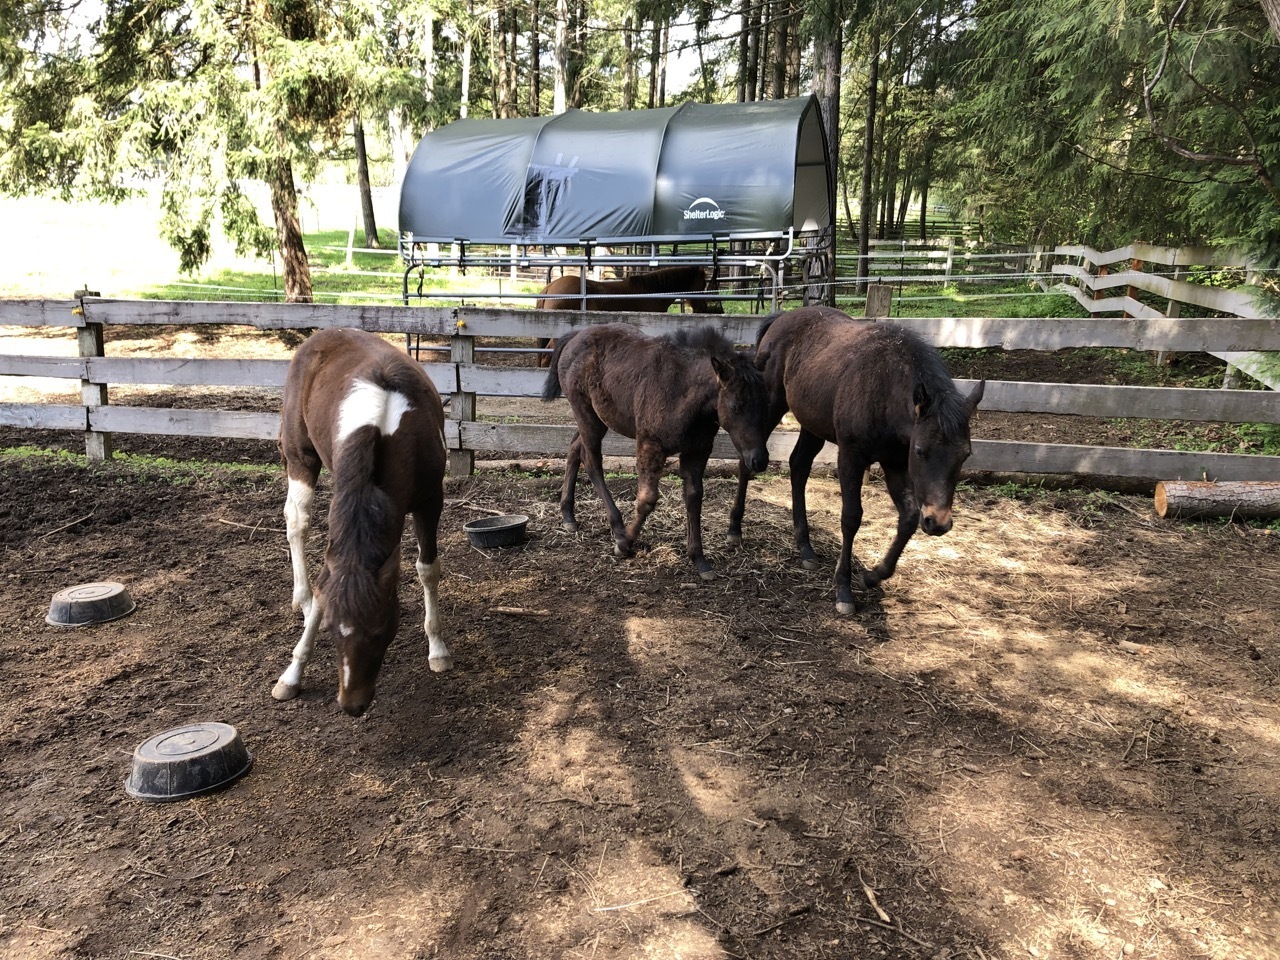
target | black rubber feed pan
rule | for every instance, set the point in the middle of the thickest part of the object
(89, 603)
(502, 531)
(187, 762)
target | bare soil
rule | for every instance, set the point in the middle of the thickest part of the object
(1053, 734)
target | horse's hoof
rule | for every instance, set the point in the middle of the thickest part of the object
(283, 691)
(844, 608)
(734, 539)
(810, 564)
(570, 525)
(622, 550)
(440, 664)
(707, 574)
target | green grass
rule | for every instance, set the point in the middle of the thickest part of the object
(160, 470)
(1010, 299)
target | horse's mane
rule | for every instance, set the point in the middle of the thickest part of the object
(947, 405)
(706, 340)
(713, 343)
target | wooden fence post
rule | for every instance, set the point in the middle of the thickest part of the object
(1131, 291)
(1172, 310)
(951, 257)
(879, 300)
(89, 338)
(1103, 271)
(462, 406)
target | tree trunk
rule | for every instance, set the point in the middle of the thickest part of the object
(577, 52)
(401, 149)
(628, 66)
(429, 64)
(795, 52)
(510, 54)
(868, 155)
(284, 205)
(744, 14)
(828, 55)
(662, 62)
(878, 162)
(366, 192)
(497, 21)
(535, 63)
(561, 100)
(889, 192)
(904, 202)
(781, 43)
(655, 45)
(753, 55)
(1272, 9)
(464, 94)
(926, 174)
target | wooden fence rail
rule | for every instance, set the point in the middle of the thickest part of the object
(1093, 274)
(466, 379)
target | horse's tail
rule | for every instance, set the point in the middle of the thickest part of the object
(551, 388)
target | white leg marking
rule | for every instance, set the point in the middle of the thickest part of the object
(297, 519)
(367, 405)
(290, 681)
(346, 674)
(439, 658)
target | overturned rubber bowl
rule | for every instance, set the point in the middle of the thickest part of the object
(187, 762)
(88, 603)
(502, 531)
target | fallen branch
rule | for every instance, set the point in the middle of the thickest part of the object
(871, 898)
(638, 903)
(65, 526)
(791, 915)
(896, 929)
(1128, 646)
(255, 527)
(471, 506)
(521, 612)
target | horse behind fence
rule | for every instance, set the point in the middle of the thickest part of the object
(638, 293)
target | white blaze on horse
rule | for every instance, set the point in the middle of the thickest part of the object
(368, 413)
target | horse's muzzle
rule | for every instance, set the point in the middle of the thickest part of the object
(355, 703)
(756, 461)
(935, 523)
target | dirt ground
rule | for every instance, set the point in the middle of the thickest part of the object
(1053, 734)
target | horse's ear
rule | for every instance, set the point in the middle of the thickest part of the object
(975, 396)
(922, 401)
(724, 371)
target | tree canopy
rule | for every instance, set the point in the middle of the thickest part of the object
(1087, 121)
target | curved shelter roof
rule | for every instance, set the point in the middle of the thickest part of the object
(692, 172)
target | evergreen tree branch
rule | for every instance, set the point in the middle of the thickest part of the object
(1252, 160)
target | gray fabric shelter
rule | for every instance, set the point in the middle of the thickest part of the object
(693, 172)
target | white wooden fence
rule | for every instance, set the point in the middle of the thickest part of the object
(1112, 281)
(467, 379)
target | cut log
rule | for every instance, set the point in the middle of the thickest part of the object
(1226, 498)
